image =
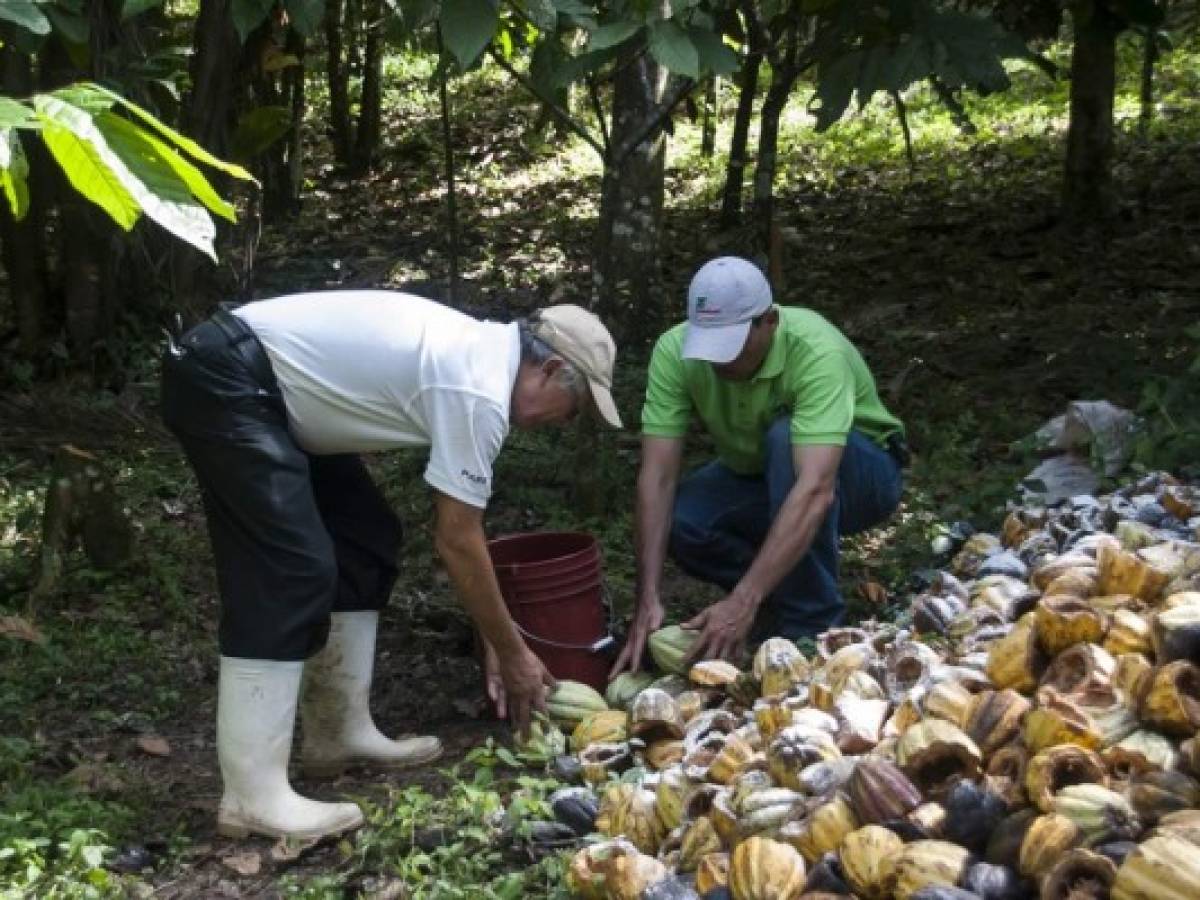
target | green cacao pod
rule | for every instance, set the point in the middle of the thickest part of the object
(571, 701)
(670, 646)
(622, 689)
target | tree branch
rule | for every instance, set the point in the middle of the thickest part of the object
(647, 128)
(759, 33)
(559, 113)
(598, 109)
(902, 112)
(957, 111)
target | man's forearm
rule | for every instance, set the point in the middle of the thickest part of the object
(789, 538)
(652, 526)
(470, 570)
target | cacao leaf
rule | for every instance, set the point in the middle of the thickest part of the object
(467, 27)
(673, 49)
(612, 34)
(25, 14)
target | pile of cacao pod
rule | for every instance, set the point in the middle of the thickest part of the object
(1027, 730)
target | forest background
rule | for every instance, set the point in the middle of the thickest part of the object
(997, 200)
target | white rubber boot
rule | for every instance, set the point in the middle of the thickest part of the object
(335, 712)
(256, 714)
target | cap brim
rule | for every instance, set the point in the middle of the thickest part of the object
(718, 344)
(605, 406)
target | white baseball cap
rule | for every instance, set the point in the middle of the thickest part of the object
(723, 297)
(582, 340)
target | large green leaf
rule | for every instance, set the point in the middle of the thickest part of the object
(715, 55)
(25, 14)
(908, 62)
(184, 143)
(467, 27)
(971, 49)
(131, 8)
(13, 113)
(259, 129)
(571, 68)
(14, 172)
(87, 166)
(164, 195)
(871, 67)
(305, 15)
(146, 182)
(545, 62)
(71, 27)
(129, 140)
(249, 14)
(673, 49)
(573, 8)
(89, 97)
(612, 34)
(835, 86)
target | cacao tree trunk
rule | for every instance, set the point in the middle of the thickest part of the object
(207, 116)
(1088, 189)
(735, 168)
(293, 82)
(782, 80)
(337, 71)
(366, 143)
(1149, 60)
(22, 242)
(708, 129)
(208, 109)
(625, 272)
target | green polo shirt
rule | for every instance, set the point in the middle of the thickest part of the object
(811, 371)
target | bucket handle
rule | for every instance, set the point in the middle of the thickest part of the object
(595, 646)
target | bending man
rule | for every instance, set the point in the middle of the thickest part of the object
(272, 403)
(805, 452)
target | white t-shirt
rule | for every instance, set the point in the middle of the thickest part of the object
(376, 370)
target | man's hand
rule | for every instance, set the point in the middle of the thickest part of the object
(647, 619)
(525, 683)
(723, 629)
(459, 538)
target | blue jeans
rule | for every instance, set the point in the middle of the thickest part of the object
(721, 519)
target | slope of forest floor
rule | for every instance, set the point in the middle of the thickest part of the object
(978, 313)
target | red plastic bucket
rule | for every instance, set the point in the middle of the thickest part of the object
(552, 585)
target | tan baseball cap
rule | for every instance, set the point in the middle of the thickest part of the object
(583, 341)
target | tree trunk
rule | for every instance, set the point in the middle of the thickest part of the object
(340, 126)
(22, 242)
(625, 272)
(293, 82)
(452, 245)
(708, 128)
(366, 143)
(735, 169)
(86, 250)
(207, 110)
(782, 80)
(1149, 60)
(1088, 190)
(206, 116)
(81, 504)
